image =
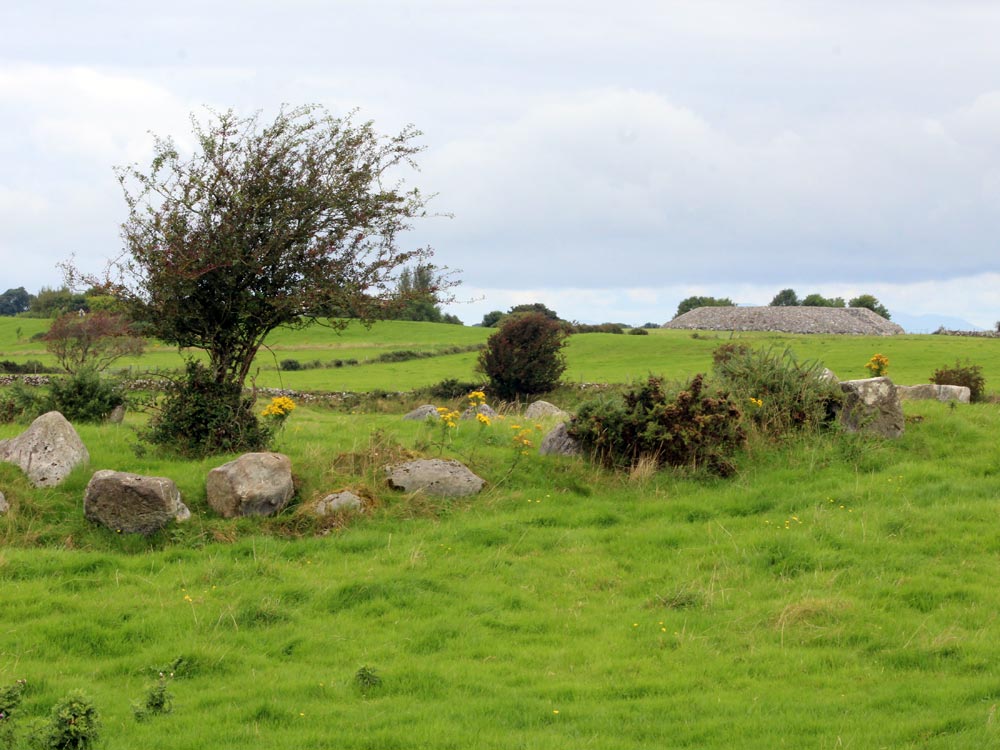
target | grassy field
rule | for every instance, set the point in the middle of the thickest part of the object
(838, 592)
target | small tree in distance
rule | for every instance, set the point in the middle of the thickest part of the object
(692, 303)
(91, 341)
(785, 298)
(524, 356)
(870, 302)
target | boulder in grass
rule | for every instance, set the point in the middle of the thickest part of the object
(338, 502)
(4, 505)
(559, 443)
(872, 405)
(484, 409)
(255, 484)
(934, 392)
(435, 476)
(132, 503)
(543, 409)
(422, 412)
(47, 451)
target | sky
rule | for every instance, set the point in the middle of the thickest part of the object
(606, 159)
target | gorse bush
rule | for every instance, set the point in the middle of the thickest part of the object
(74, 724)
(688, 428)
(968, 374)
(201, 416)
(777, 392)
(83, 397)
(524, 356)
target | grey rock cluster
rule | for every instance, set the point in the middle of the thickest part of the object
(858, 321)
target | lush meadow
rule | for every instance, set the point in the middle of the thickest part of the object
(839, 591)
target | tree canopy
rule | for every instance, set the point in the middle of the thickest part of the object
(785, 298)
(264, 225)
(692, 303)
(869, 301)
(818, 300)
(15, 301)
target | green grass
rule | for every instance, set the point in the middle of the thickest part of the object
(839, 592)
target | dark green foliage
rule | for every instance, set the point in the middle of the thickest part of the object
(416, 296)
(968, 374)
(15, 301)
(870, 302)
(534, 307)
(74, 724)
(776, 392)
(453, 388)
(691, 303)
(200, 417)
(290, 365)
(10, 699)
(524, 356)
(83, 397)
(491, 318)
(818, 300)
(688, 428)
(51, 303)
(28, 367)
(785, 298)
(638, 332)
(158, 701)
(597, 328)
(367, 679)
(650, 325)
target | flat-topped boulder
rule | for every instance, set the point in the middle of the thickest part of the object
(857, 321)
(872, 405)
(47, 451)
(435, 476)
(543, 410)
(934, 392)
(255, 484)
(422, 412)
(132, 503)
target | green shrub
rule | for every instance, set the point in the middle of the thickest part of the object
(452, 388)
(74, 724)
(968, 374)
(687, 428)
(524, 356)
(638, 332)
(200, 416)
(290, 365)
(83, 397)
(777, 392)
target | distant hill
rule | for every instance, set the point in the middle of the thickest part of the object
(930, 322)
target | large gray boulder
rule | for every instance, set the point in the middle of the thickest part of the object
(132, 503)
(422, 412)
(435, 476)
(543, 409)
(255, 484)
(872, 405)
(934, 392)
(47, 451)
(558, 443)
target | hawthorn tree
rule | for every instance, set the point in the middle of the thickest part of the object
(265, 225)
(91, 341)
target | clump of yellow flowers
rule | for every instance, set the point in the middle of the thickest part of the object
(878, 365)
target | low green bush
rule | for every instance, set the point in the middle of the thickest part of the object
(74, 724)
(688, 428)
(290, 365)
(968, 374)
(776, 391)
(83, 397)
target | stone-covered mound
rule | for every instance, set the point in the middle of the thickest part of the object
(858, 321)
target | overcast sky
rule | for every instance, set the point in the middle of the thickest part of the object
(607, 159)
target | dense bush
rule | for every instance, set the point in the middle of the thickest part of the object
(30, 367)
(776, 391)
(524, 356)
(596, 328)
(197, 417)
(452, 388)
(289, 365)
(638, 332)
(688, 428)
(74, 724)
(83, 397)
(968, 374)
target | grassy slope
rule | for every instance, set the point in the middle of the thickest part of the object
(838, 593)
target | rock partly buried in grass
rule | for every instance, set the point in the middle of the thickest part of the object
(4, 505)
(422, 412)
(872, 405)
(485, 409)
(255, 484)
(435, 476)
(47, 451)
(543, 409)
(338, 502)
(559, 443)
(132, 503)
(934, 392)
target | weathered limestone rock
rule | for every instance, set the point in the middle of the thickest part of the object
(117, 415)
(4, 505)
(829, 376)
(47, 451)
(543, 409)
(872, 405)
(132, 503)
(255, 484)
(558, 443)
(932, 392)
(422, 412)
(338, 501)
(435, 476)
(485, 409)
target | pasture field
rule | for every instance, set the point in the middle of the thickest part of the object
(591, 357)
(838, 592)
